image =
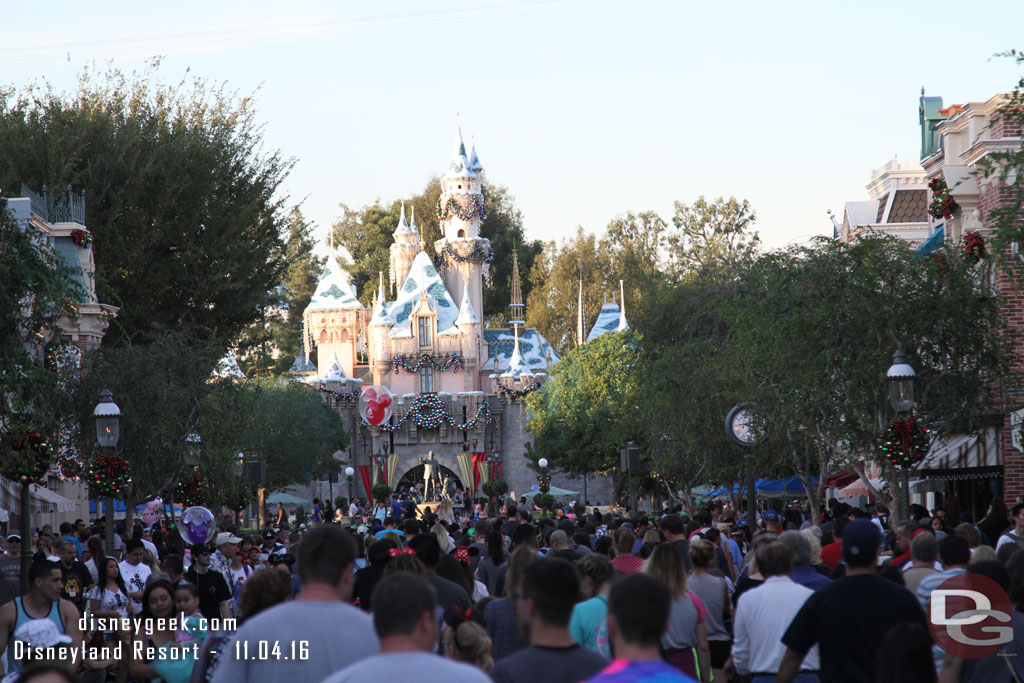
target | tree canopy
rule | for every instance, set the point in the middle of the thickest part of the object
(182, 199)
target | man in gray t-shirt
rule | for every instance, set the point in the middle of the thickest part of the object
(405, 618)
(313, 636)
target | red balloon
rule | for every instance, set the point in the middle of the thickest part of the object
(374, 413)
(384, 401)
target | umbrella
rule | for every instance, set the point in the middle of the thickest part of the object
(736, 489)
(788, 485)
(285, 499)
(858, 488)
(554, 491)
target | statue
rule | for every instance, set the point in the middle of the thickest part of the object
(428, 474)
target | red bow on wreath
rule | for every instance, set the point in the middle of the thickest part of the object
(395, 552)
(904, 430)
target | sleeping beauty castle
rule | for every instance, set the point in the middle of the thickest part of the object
(458, 388)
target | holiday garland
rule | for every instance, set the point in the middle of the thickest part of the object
(452, 207)
(82, 238)
(429, 412)
(193, 490)
(400, 363)
(974, 247)
(350, 396)
(544, 483)
(904, 442)
(478, 251)
(28, 457)
(109, 475)
(943, 205)
(518, 393)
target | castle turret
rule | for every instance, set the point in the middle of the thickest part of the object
(404, 250)
(516, 309)
(331, 320)
(464, 256)
(377, 330)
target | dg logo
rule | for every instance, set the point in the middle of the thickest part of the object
(970, 616)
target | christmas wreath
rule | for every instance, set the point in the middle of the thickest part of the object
(974, 247)
(82, 238)
(193, 490)
(943, 205)
(519, 393)
(109, 474)
(904, 442)
(27, 457)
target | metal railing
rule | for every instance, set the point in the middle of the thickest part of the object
(67, 208)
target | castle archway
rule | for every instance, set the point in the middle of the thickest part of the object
(413, 479)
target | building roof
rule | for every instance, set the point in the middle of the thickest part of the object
(227, 368)
(423, 279)
(861, 213)
(517, 365)
(533, 348)
(403, 227)
(335, 291)
(474, 160)
(607, 320)
(301, 364)
(909, 206)
(459, 166)
(334, 372)
(467, 316)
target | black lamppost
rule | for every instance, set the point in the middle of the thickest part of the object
(899, 380)
(108, 432)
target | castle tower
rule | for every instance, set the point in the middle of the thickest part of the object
(331, 320)
(377, 330)
(404, 250)
(464, 255)
(469, 326)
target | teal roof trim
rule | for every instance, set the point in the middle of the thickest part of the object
(934, 242)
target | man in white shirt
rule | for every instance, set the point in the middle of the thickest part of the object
(405, 619)
(764, 613)
(134, 572)
(1016, 534)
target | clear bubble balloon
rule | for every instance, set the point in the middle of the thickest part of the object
(375, 404)
(197, 525)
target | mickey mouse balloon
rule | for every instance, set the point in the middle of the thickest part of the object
(375, 404)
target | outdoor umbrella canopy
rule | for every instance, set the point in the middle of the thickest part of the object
(787, 485)
(736, 489)
(555, 491)
(285, 499)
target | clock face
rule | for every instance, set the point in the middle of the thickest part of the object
(741, 427)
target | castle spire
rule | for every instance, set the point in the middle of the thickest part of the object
(403, 227)
(412, 220)
(579, 310)
(467, 316)
(474, 160)
(517, 308)
(623, 325)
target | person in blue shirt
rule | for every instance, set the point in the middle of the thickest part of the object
(67, 533)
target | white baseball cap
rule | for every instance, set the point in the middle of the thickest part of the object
(41, 633)
(227, 537)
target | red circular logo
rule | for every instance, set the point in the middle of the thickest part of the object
(970, 616)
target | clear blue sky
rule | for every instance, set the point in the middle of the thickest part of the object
(583, 108)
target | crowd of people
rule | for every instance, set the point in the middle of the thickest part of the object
(499, 592)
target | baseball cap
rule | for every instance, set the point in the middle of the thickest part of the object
(227, 537)
(268, 534)
(200, 549)
(41, 633)
(771, 516)
(14, 537)
(861, 538)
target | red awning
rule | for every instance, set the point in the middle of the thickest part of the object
(840, 479)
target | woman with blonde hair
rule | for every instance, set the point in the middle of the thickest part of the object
(445, 541)
(686, 640)
(713, 591)
(466, 640)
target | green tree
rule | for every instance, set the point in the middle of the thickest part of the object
(184, 202)
(295, 431)
(280, 327)
(552, 305)
(819, 361)
(36, 291)
(590, 407)
(711, 233)
(367, 234)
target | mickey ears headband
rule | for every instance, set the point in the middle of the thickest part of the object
(395, 552)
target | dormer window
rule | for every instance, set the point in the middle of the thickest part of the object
(424, 329)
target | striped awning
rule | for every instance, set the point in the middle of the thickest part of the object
(42, 500)
(963, 456)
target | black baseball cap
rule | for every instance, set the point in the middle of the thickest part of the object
(201, 549)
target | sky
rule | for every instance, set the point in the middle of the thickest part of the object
(584, 109)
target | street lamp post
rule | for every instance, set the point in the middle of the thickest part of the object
(899, 380)
(108, 432)
(349, 471)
